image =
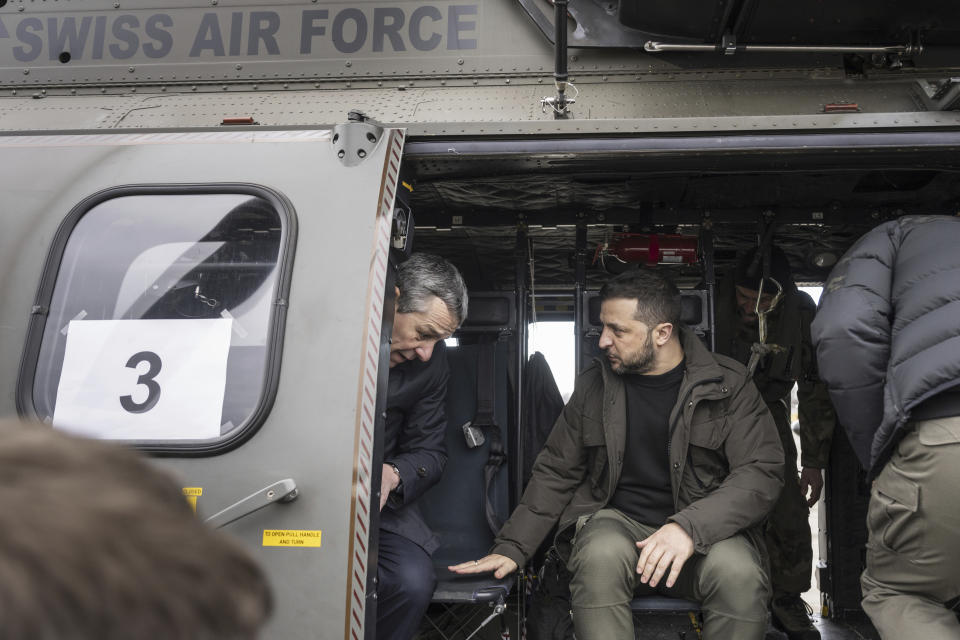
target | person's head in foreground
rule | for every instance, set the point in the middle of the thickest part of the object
(97, 544)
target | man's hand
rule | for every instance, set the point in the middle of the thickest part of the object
(502, 566)
(812, 479)
(389, 480)
(669, 547)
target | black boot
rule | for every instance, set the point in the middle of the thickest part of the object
(792, 616)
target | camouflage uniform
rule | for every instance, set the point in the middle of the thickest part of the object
(788, 326)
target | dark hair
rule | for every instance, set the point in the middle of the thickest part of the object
(748, 274)
(423, 276)
(658, 299)
(97, 544)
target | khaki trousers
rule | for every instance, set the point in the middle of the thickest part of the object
(729, 582)
(913, 553)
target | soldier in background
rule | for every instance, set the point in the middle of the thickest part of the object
(787, 358)
(97, 544)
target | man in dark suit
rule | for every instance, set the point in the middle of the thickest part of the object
(431, 304)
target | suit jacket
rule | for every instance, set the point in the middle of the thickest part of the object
(414, 442)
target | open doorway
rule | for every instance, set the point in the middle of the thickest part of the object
(557, 342)
(817, 517)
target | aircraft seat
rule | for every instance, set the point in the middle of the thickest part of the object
(456, 507)
(663, 604)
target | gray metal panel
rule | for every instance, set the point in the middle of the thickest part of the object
(613, 106)
(93, 112)
(141, 41)
(313, 431)
(127, 42)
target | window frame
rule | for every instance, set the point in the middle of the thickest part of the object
(39, 313)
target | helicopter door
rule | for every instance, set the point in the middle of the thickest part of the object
(216, 299)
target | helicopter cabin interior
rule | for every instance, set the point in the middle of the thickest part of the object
(536, 235)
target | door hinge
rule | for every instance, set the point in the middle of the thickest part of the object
(354, 141)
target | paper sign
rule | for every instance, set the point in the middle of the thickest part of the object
(291, 538)
(143, 379)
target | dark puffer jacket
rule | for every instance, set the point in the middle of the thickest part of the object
(887, 333)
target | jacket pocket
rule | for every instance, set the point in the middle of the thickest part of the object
(934, 433)
(892, 515)
(708, 434)
(594, 444)
(706, 463)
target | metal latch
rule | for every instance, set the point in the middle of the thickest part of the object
(472, 435)
(940, 95)
(401, 228)
(498, 608)
(283, 491)
(728, 44)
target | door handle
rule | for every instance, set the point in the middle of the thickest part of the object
(283, 491)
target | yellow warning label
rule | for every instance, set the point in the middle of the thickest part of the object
(192, 493)
(291, 538)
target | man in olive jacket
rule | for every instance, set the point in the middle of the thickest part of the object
(659, 470)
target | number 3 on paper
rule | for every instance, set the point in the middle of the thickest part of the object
(147, 379)
(171, 388)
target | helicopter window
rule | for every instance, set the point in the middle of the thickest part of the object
(163, 318)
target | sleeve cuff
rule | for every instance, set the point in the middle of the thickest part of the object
(396, 498)
(511, 552)
(684, 523)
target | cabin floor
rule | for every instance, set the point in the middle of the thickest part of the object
(844, 630)
(678, 627)
(649, 627)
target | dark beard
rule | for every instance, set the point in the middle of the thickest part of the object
(642, 363)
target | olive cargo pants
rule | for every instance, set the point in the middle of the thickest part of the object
(730, 582)
(913, 554)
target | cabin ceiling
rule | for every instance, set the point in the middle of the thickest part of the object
(473, 219)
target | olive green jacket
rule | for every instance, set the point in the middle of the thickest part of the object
(725, 456)
(794, 363)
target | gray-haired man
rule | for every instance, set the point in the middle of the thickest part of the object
(431, 304)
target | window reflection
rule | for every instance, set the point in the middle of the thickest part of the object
(191, 256)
